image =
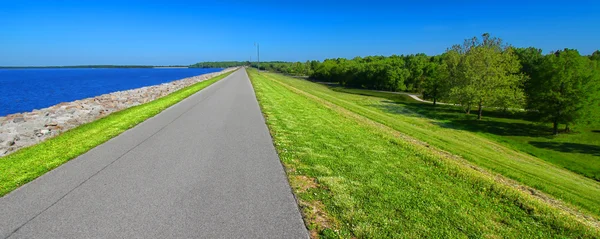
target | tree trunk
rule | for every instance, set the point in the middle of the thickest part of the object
(434, 100)
(480, 110)
(555, 123)
(469, 109)
(567, 129)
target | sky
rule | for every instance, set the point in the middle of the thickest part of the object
(62, 32)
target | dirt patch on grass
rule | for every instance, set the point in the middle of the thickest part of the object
(313, 212)
(304, 183)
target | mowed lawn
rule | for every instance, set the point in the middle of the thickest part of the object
(578, 151)
(579, 191)
(356, 178)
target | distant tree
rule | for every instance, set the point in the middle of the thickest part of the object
(416, 64)
(595, 56)
(373, 72)
(484, 71)
(457, 92)
(530, 59)
(314, 65)
(219, 64)
(307, 69)
(437, 80)
(298, 68)
(567, 91)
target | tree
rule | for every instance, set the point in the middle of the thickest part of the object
(416, 65)
(307, 69)
(323, 72)
(372, 72)
(436, 81)
(314, 65)
(567, 91)
(298, 68)
(595, 56)
(530, 59)
(219, 64)
(485, 70)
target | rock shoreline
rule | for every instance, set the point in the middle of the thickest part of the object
(25, 129)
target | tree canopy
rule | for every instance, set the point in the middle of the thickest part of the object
(565, 90)
(485, 73)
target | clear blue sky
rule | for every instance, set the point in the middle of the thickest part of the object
(184, 32)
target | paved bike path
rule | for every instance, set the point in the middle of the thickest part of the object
(204, 168)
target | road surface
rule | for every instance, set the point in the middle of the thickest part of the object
(204, 168)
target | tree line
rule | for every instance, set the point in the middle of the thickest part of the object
(290, 68)
(86, 66)
(219, 64)
(562, 87)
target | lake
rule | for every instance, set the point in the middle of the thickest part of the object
(23, 90)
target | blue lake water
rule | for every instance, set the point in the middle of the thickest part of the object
(23, 90)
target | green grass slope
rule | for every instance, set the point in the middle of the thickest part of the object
(577, 190)
(578, 151)
(356, 178)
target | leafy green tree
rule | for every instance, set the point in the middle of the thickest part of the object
(323, 72)
(595, 56)
(416, 64)
(437, 80)
(307, 69)
(567, 91)
(372, 72)
(486, 69)
(314, 65)
(531, 59)
(298, 68)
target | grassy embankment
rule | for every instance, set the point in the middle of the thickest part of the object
(29, 163)
(357, 178)
(529, 170)
(578, 151)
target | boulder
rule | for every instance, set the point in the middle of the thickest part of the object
(9, 140)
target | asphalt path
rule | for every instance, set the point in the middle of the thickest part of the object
(203, 168)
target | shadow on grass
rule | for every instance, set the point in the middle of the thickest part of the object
(428, 109)
(504, 128)
(596, 131)
(453, 117)
(568, 147)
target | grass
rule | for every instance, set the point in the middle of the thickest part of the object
(355, 177)
(578, 151)
(29, 163)
(578, 191)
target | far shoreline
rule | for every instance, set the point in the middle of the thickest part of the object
(93, 66)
